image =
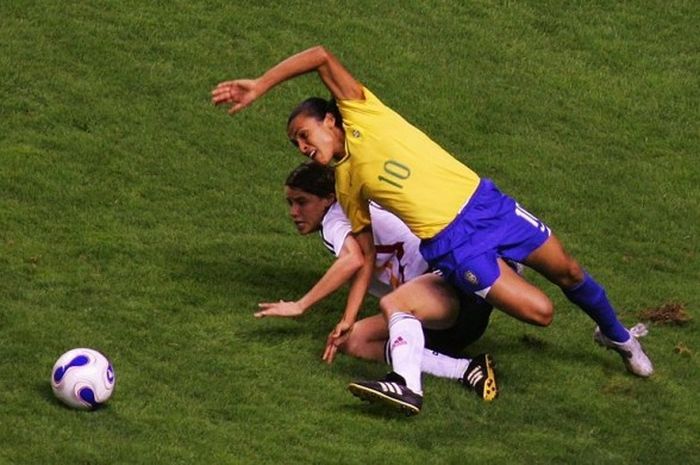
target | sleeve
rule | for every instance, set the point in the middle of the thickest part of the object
(358, 214)
(335, 228)
(353, 111)
(351, 199)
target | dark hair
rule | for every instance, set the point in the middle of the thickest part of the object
(313, 178)
(317, 108)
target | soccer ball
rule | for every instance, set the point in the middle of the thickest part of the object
(82, 378)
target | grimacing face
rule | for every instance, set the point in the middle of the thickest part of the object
(305, 209)
(320, 140)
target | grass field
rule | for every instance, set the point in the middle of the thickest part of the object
(137, 219)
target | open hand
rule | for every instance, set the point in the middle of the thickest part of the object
(280, 309)
(238, 94)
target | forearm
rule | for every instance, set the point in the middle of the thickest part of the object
(358, 290)
(360, 284)
(338, 274)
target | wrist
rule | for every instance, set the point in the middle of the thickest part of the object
(263, 83)
(302, 305)
(348, 320)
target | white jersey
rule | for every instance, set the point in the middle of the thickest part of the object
(398, 257)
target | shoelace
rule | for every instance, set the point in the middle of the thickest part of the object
(639, 330)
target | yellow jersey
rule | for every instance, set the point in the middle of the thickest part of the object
(390, 161)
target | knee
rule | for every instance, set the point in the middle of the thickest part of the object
(397, 302)
(572, 275)
(388, 305)
(541, 312)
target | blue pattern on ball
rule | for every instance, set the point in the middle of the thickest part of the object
(87, 395)
(78, 361)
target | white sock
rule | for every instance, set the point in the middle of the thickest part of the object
(406, 346)
(437, 364)
(442, 366)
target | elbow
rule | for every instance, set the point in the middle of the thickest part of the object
(319, 49)
(321, 52)
(356, 262)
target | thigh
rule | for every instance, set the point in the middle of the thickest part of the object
(518, 298)
(428, 297)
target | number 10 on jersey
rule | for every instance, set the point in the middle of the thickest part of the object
(395, 173)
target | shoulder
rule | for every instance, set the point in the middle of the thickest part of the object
(335, 227)
(367, 102)
(333, 216)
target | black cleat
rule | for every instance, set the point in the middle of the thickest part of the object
(481, 378)
(391, 391)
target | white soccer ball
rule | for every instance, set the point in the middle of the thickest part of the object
(82, 378)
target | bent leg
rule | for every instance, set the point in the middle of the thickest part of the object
(368, 339)
(424, 301)
(428, 297)
(552, 261)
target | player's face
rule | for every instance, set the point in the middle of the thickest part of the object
(306, 210)
(320, 140)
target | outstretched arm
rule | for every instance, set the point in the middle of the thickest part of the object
(343, 268)
(242, 92)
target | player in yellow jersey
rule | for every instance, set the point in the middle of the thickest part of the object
(467, 226)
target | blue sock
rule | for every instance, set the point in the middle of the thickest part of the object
(591, 298)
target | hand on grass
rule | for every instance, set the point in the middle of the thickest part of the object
(335, 339)
(279, 309)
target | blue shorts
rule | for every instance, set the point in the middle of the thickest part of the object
(491, 225)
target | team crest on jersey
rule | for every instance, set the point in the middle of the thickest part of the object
(356, 133)
(471, 278)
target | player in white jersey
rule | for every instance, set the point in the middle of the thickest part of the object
(401, 276)
(398, 259)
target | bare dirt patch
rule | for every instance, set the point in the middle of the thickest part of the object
(672, 313)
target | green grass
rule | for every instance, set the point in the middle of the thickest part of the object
(137, 219)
